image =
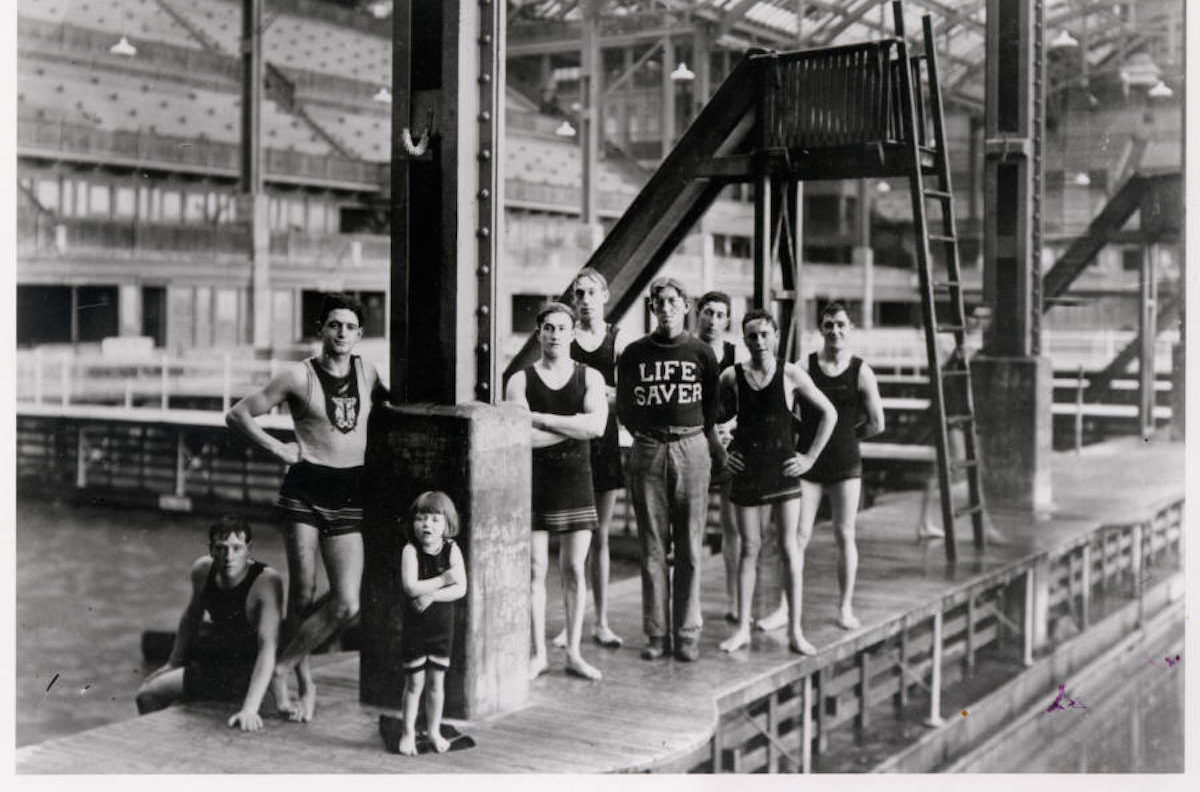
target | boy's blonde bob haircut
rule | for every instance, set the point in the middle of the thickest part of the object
(435, 502)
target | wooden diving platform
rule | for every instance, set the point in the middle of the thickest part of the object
(1117, 513)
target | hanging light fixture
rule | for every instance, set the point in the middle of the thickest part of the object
(1160, 91)
(565, 130)
(1064, 40)
(882, 187)
(1082, 180)
(123, 47)
(380, 9)
(383, 95)
(682, 73)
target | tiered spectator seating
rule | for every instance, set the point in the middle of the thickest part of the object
(298, 42)
(367, 136)
(557, 162)
(144, 19)
(114, 101)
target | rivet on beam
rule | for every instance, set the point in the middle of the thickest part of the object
(485, 116)
(484, 194)
(485, 39)
(484, 310)
(484, 270)
(485, 78)
(483, 233)
(485, 155)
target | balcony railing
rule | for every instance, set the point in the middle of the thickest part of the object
(66, 140)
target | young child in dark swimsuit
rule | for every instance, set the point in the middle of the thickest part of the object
(433, 576)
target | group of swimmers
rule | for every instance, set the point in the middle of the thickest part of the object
(698, 421)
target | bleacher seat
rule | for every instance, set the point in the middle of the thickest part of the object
(144, 19)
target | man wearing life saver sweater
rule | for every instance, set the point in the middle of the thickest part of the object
(667, 399)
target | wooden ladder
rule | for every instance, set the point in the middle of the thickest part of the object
(949, 381)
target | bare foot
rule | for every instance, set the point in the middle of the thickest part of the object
(847, 620)
(799, 645)
(307, 706)
(604, 636)
(773, 621)
(930, 531)
(577, 666)
(740, 638)
(440, 743)
(279, 689)
(537, 666)
(408, 744)
(560, 641)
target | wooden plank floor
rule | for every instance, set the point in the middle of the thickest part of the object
(641, 714)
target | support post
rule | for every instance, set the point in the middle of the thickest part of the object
(1147, 334)
(806, 726)
(254, 201)
(1028, 622)
(864, 255)
(773, 732)
(480, 456)
(1014, 419)
(1085, 602)
(935, 677)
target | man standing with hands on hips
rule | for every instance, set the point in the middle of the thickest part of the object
(667, 399)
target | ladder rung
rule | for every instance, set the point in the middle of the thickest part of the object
(963, 464)
(942, 238)
(959, 420)
(928, 149)
(970, 508)
(946, 284)
(955, 372)
(942, 194)
(950, 328)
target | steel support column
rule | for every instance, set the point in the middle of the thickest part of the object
(1014, 420)
(254, 201)
(448, 79)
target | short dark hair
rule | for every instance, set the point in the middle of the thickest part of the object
(831, 309)
(554, 307)
(590, 272)
(228, 525)
(435, 502)
(666, 282)
(756, 314)
(715, 296)
(334, 302)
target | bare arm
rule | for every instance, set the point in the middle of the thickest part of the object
(266, 612)
(868, 386)
(727, 418)
(457, 587)
(514, 393)
(581, 426)
(409, 575)
(803, 385)
(189, 621)
(240, 417)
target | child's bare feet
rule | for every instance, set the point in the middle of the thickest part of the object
(579, 667)
(740, 638)
(774, 620)
(560, 641)
(408, 744)
(440, 743)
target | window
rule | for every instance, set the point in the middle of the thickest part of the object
(896, 314)
(124, 202)
(1131, 259)
(48, 193)
(194, 207)
(98, 200)
(172, 207)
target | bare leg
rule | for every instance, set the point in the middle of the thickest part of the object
(413, 684)
(925, 526)
(731, 551)
(749, 519)
(810, 501)
(160, 691)
(301, 545)
(572, 558)
(539, 551)
(600, 563)
(788, 516)
(435, 697)
(843, 497)
(343, 557)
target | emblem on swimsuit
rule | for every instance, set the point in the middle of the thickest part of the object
(345, 412)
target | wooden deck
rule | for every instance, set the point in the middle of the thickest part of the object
(642, 715)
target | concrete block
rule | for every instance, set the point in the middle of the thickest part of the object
(479, 455)
(1013, 406)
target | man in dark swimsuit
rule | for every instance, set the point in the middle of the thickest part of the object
(767, 467)
(235, 658)
(567, 409)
